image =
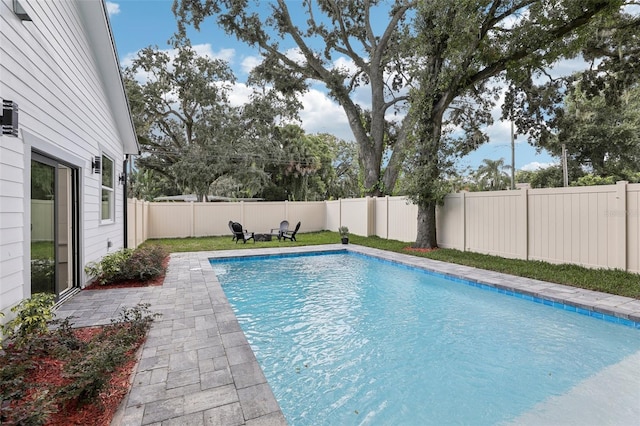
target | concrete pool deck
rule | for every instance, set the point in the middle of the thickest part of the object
(197, 368)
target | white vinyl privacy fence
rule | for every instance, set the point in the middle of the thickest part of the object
(596, 226)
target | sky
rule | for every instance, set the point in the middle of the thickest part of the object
(137, 24)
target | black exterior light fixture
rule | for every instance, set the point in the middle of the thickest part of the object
(9, 118)
(96, 164)
(20, 12)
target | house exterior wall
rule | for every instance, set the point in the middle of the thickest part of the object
(55, 68)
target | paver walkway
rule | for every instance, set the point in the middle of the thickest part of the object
(197, 368)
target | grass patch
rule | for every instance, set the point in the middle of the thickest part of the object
(605, 280)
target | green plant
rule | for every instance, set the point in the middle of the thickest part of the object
(109, 349)
(110, 268)
(32, 316)
(343, 231)
(147, 262)
(32, 412)
(144, 263)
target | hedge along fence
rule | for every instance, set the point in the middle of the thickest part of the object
(596, 226)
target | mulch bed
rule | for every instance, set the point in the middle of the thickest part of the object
(101, 411)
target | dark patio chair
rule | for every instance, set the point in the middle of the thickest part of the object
(284, 227)
(240, 233)
(232, 231)
(288, 235)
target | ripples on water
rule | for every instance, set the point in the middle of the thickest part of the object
(345, 340)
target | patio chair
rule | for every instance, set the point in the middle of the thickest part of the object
(288, 235)
(240, 233)
(284, 227)
(232, 231)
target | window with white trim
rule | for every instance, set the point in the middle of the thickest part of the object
(107, 208)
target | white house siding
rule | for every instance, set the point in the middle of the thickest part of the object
(61, 69)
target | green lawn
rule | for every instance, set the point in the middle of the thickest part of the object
(608, 281)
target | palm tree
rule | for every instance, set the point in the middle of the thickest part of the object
(491, 175)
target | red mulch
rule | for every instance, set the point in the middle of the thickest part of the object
(419, 250)
(100, 412)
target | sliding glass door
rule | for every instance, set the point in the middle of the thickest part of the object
(54, 226)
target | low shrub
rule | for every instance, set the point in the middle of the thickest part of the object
(144, 263)
(32, 317)
(104, 353)
(147, 263)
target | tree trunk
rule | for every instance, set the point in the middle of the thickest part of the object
(426, 237)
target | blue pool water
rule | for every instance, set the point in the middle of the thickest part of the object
(345, 340)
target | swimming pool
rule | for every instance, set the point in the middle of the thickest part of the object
(345, 339)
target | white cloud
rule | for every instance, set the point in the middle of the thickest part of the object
(206, 50)
(249, 63)
(535, 165)
(239, 94)
(346, 64)
(112, 8)
(296, 56)
(322, 115)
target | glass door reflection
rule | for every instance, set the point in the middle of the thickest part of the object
(53, 226)
(42, 227)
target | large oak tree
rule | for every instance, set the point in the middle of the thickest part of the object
(302, 41)
(464, 45)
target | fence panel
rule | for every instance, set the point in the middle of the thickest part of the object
(311, 214)
(41, 223)
(403, 219)
(170, 220)
(332, 215)
(354, 214)
(491, 223)
(213, 218)
(574, 226)
(450, 220)
(381, 217)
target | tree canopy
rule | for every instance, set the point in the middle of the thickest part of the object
(599, 134)
(185, 120)
(345, 45)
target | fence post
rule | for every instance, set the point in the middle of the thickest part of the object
(371, 217)
(523, 223)
(192, 231)
(463, 225)
(387, 215)
(620, 216)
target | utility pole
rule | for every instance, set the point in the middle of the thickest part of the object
(513, 158)
(565, 171)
